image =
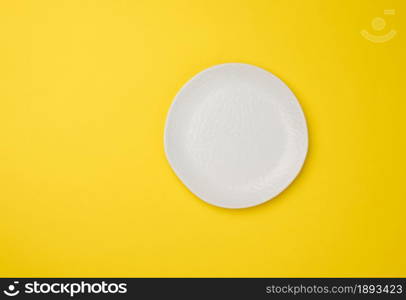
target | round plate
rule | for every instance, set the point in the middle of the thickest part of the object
(236, 135)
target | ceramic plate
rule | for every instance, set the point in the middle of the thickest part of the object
(236, 135)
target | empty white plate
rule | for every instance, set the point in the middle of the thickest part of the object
(236, 135)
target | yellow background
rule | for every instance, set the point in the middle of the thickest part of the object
(85, 188)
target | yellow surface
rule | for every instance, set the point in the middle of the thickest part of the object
(85, 188)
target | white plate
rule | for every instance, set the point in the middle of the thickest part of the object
(236, 135)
